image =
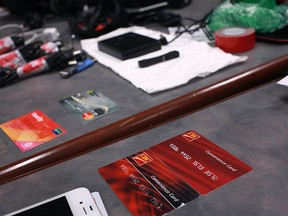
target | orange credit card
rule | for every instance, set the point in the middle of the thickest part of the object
(31, 130)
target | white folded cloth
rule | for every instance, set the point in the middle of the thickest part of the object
(197, 59)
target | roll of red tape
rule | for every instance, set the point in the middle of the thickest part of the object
(235, 39)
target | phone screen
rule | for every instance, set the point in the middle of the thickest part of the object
(58, 206)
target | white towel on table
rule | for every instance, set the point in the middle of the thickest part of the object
(197, 59)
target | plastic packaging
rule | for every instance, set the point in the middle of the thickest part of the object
(263, 16)
(262, 3)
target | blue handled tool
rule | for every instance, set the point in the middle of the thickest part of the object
(80, 66)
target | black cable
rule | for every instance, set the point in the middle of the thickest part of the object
(18, 40)
(31, 51)
(10, 43)
(60, 59)
(163, 18)
(202, 24)
(169, 20)
(22, 55)
(7, 76)
(28, 53)
(54, 61)
(95, 15)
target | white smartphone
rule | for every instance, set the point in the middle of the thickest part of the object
(77, 202)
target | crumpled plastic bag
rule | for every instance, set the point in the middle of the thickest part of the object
(263, 16)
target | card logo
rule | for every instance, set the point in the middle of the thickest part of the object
(87, 116)
(142, 159)
(191, 136)
(27, 145)
(57, 131)
(37, 117)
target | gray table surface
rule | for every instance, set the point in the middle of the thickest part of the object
(252, 126)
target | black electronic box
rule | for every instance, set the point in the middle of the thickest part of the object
(129, 45)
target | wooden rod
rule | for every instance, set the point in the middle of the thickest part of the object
(147, 119)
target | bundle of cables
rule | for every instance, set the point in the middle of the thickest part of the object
(27, 53)
(54, 61)
(8, 44)
(193, 27)
(181, 24)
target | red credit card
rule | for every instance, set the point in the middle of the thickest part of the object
(201, 163)
(146, 185)
(170, 174)
(31, 130)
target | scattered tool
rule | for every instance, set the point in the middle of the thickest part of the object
(78, 67)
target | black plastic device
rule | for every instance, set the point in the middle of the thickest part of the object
(129, 45)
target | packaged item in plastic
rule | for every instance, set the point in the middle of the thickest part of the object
(264, 16)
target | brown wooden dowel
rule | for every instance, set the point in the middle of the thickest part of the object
(147, 119)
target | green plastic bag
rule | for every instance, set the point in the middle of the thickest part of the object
(263, 16)
(262, 3)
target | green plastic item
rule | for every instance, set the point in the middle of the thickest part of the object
(264, 19)
(262, 3)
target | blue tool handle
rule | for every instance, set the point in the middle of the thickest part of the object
(83, 65)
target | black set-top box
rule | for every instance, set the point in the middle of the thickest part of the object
(129, 45)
